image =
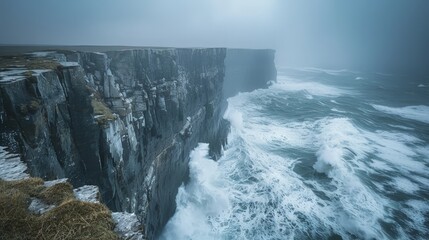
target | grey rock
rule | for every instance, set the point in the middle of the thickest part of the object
(138, 158)
(87, 193)
(37, 206)
(54, 182)
(127, 225)
(11, 166)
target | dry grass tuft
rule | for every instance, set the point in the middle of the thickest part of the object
(57, 193)
(39, 63)
(29, 186)
(15, 220)
(71, 219)
(28, 62)
(103, 113)
(77, 220)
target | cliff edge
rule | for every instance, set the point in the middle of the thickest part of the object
(123, 120)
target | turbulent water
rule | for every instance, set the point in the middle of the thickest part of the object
(318, 155)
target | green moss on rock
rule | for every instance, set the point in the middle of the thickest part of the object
(28, 62)
(102, 112)
(30, 108)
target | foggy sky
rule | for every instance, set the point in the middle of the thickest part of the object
(354, 34)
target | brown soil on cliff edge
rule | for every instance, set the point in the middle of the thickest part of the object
(28, 62)
(71, 219)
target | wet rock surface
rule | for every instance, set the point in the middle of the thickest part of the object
(128, 226)
(124, 121)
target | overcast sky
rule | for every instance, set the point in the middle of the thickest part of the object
(324, 33)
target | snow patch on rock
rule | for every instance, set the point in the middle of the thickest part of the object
(127, 225)
(54, 182)
(11, 166)
(37, 206)
(87, 193)
(69, 64)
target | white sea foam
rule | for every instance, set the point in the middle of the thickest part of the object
(309, 96)
(234, 117)
(334, 72)
(258, 189)
(336, 110)
(418, 113)
(336, 134)
(405, 185)
(400, 127)
(342, 150)
(424, 151)
(379, 165)
(312, 88)
(423, 182)
(203, 198)
(417, 211)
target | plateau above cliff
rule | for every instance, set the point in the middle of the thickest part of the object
(123, 120)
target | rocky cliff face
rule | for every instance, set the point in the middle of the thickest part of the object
(126, 120)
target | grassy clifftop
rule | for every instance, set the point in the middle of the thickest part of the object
(69, 219)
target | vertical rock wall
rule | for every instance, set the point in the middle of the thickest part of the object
(127, 120)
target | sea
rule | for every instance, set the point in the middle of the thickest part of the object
(319, 154)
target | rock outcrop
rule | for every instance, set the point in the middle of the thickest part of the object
(124, 121)
(47, 196)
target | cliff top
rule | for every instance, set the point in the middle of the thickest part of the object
(53, 209)
(7, 50)
(20, 62)
(21, 66)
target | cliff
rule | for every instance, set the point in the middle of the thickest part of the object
(31, 208)
(125, 120)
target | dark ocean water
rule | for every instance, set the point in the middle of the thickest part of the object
(320, 154)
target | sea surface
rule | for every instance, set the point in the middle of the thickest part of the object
(320, 154)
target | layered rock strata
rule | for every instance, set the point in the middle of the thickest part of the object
(124, 121)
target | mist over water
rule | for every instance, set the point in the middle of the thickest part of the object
(320, 154)
(391, 35)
